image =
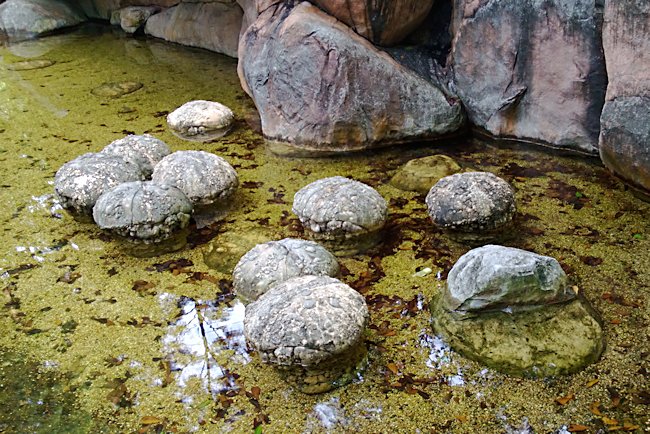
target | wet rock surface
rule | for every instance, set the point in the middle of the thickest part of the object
(504, 278)
(143, 211)
(25, 19)
(346, 215)
(201, 121)
(79, 183)
(625, 119)
(116, 89)
(422, 173)
(144, 150)
(271, 263)
(134, 17)
(540, 78)
(384, 22)
(473, 206)
(321, 88)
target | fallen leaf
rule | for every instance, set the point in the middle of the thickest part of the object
(608, 421)
(592, 383)
(392, 367)
(628, 426)
(565, 399)
(255, 392)
(462, 418)
(574, 427)
(595, 408)
(150, 420)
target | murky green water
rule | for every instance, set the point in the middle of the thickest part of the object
(94, 341)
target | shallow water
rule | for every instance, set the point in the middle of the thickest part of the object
(96, 341)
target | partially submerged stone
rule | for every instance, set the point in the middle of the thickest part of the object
(421, 174)
(313, 326)
(27, 65)
(200, 120)
(514, 311)
(79, 183)
(116, 89)
(345, 215)
(504, 278)
(144, 150)
(472, 206)
(273, 262)
(25, 19)
(145, 213)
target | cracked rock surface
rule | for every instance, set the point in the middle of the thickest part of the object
(471, 202)
(201, 120)
(269, 264)
(143, 211)
(144, 150)
(79, 182)
(306, 321)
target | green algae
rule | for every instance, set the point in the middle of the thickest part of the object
(115, 362)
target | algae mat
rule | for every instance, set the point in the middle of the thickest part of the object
(95, 341)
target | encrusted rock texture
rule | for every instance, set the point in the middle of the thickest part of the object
(321, 87)
(625, 134)
(531, 70)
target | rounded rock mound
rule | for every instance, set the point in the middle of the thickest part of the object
(472, 206)
(201, 120)
(206, 179)
(421, 174)
(144, 150)
(345, 215)
(79, 182)
(271, 263)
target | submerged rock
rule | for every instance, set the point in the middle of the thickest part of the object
(345, 215)
(79, 183)
(116, 89)
(27, 65)
(271, 263)
(514, 311)
(145, 212)
(227, 249)
(206, 179)
(497, 278)
(313, 324)
(25, 19)
(472, 206)
(145, 151)
(201, 121)
(422, 173)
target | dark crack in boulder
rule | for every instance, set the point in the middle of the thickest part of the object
(144, 150)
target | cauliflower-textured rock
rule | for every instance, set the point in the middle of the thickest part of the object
(206, 179)
(271, 263)
(421, 174)
(79, 183)
(345, 215)
(201, 120)
(144, 150)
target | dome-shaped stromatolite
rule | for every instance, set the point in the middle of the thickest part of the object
(345, 215)
(144, 212)
(200, 120)
(314, 324)
(144, 150)
(206, 179)
(421, 174)
(472, 206)
(79, 183)
(269, 264)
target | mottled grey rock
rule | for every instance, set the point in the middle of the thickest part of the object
(79, 183)
(24, 19)
(471, 206)
(504, 278)
(206, 179)
(625, 120)
(531, 70)
(134, 17)
(321, 88)
(144, 150)
(341, 211)
(116, 89)
(200, 120)
(556, 339)
(306, 321)
(271, 263)
(143, 211)
(422, 173)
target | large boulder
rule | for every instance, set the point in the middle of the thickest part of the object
(384, 22)
(214, 26)
(625, 120)
(25, 19)
(322, 88)
(531, 70)
(103, 9)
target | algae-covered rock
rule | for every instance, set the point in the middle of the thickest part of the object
(421, 174)
(497, 277)
(144, 150)
(201, 121)
(553, 340)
